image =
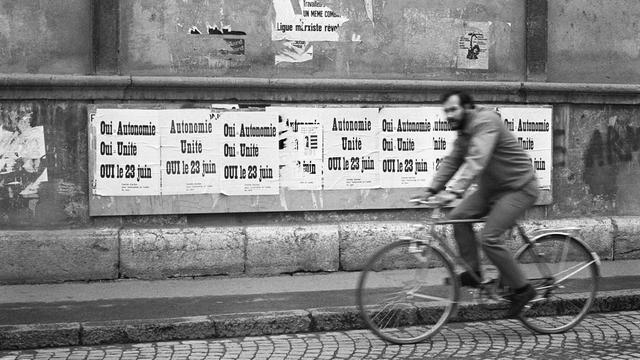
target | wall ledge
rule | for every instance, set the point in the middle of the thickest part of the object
(269, 90)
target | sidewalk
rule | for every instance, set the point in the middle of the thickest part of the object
(144, 311)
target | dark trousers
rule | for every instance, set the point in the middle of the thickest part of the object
(502, 209)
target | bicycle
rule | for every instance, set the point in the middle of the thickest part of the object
(408, 289)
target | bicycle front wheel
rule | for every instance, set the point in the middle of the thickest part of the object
(402, 293)
(565, 274)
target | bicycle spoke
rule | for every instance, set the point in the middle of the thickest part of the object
(575, 273)
(429, 297)
(389, 301)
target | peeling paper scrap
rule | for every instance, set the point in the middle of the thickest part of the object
(294, 52)
(368, 4)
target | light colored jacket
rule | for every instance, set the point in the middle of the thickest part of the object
(485, 150)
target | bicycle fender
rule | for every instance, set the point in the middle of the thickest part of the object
(535, 239)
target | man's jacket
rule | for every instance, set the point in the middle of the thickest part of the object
(487, 150)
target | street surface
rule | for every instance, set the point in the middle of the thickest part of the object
(599, 336)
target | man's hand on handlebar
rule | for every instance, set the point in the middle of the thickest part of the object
(435, 200)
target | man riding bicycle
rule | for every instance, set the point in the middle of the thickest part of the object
(486, 151)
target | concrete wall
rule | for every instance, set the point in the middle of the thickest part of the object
(398, 39)
(594, 41)
(596, 129)
(47, 37)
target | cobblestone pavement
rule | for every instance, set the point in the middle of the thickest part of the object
(599, 336)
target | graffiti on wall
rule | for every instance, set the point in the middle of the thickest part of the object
(610, 155)
(22, 162)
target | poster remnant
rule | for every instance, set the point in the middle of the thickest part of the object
(22, 160)
(294, 51)
(301, 147)
(309, 21)
(473, 46)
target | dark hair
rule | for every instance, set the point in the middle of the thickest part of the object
(466, 101)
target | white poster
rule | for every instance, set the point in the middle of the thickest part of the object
(306, 20)
(407, 146)
(532, 127)
(189, 152)
(249, 147)
(351, 155)
(127, 152)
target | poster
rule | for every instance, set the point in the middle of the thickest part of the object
(305, 20)
(23, 163)
(301, 147)
(127, 152)
(208, 151)
(351, 155)
(406, 146)
(532, 127)
(473, 46)
(249, 148)
(189, 152)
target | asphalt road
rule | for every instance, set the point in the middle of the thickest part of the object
(599, 336)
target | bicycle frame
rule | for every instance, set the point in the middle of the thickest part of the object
(542, 267)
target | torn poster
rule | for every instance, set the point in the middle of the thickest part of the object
(22, 157)
(473, 46)
(309, 21)
(306, 165)
(368, 4)
(293, 51)
(301, 147)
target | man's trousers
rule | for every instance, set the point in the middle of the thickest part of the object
(502, 209)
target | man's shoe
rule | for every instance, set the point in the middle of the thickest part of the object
(465, 279)
(519, 299)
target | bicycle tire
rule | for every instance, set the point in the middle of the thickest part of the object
(411, 314)
(564, 301)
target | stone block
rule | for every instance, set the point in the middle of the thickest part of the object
(280, 249)
(627, 240)
(40, 256)
(39, 335)
(263, 323)
(359, 241)
(173, 252)
(337, 318)
(147, 330)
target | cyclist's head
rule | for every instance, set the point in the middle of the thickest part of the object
(456, 105)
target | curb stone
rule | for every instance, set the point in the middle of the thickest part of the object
(246, 324)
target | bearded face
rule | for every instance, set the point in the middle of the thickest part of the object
(456, 114)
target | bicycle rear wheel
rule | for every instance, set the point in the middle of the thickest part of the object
(402, 294)
(565, 275)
